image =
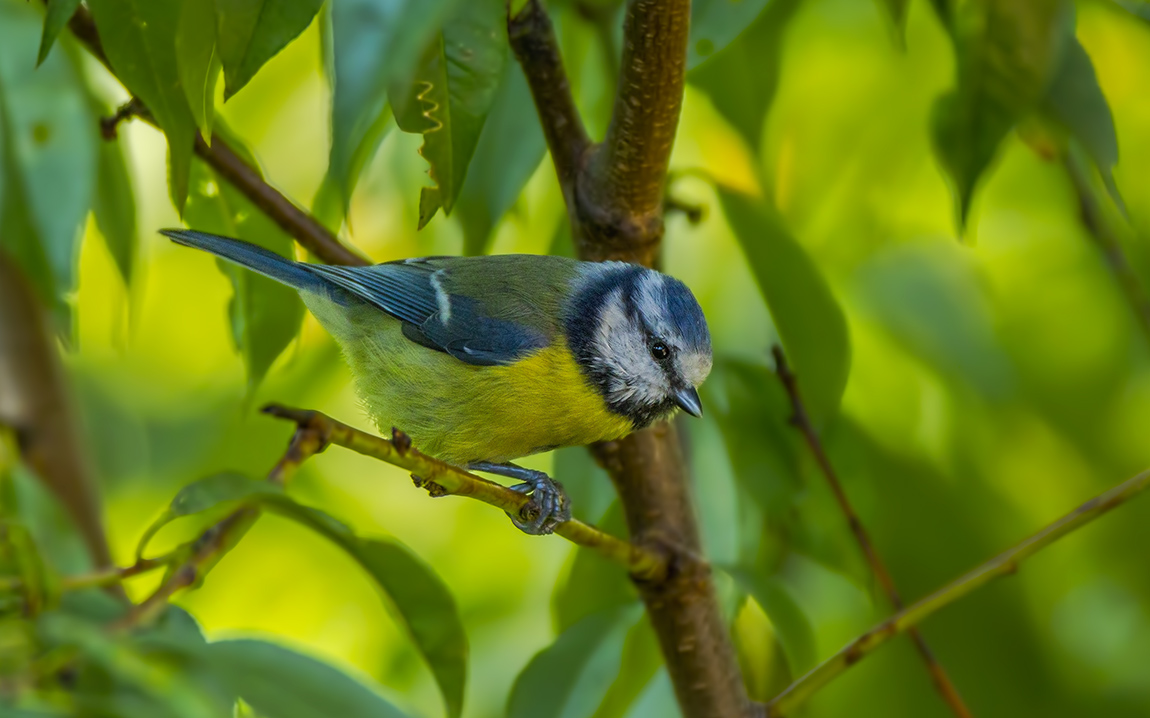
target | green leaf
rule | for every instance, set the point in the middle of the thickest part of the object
(251, 32)
(752, 409)
(49, 138)
(198, 61)
(265, 315)
(115, 206)
(809, 320)
(1007, 55)
(220, 493)
(895, 12)
(792, 626)
(570, 677)
(715, 23)
(374, 43)
(509, 150)
(639, 661)
(593, 584)
(742, 79)
(139, 37)
(56, 17)
(449, 96)
(280, 683)
(49, 524)
(423, 604)
(173, 692)
(1075, 101)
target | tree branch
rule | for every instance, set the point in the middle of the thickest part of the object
(306, 230)
(442, 479)
(634, 158)
(1004, 564)
(34, 401)
(614, 203)
(801, 421)
(533, 41)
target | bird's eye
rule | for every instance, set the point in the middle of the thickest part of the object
(659, 351)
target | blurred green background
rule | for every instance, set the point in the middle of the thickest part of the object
(997, 379)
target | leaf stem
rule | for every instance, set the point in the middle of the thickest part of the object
(800, 419)
(1004, 564)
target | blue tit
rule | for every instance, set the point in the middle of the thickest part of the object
(482, 360)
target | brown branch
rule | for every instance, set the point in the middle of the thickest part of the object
(634, 158)
(801, 420)
(533, 40)
(443, 479)
(1102, 232)
(1004, 564)
(306, 229)
(614, 203)
(34, 401)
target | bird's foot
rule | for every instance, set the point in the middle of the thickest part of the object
(549, 503)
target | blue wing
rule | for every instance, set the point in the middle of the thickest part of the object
(417, 292)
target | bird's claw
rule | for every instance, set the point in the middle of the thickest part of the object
(550, 503)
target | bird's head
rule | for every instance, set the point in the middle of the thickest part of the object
(642, 339)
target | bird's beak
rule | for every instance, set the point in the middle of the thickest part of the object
(688, 401)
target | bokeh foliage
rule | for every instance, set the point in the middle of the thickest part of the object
(888, 194)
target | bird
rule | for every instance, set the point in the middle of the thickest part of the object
(484, 360)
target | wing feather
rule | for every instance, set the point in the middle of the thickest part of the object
(417, 292)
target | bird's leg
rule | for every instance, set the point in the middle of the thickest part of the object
(547, 494)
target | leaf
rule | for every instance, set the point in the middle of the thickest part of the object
(1075, 101)
(1007, 54)
(56, 17)
(593, 583)
(639, 661)
(49, 138)
(570, 677)
(742, 79)
(374, 43)
(198, 61)
(809, 320)
(752, 410)
(895, 12)
(139, 37)
(509, 150)
(449, 96)
(172, 692)
(251, 32)
(280, 683)
(792, 626)
(423, 604)
(265, 315)
(115, 206)
(715, 23)
(219, 493)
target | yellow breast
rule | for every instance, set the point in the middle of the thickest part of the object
(463, 413)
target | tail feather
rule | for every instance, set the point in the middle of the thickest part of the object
(246, 254)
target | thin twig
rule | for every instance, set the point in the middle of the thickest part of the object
(1004, 564)
(801, 420)
(306, 230)
(442, 479)
(112, 575)
(1102, 232)
(214, 543)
